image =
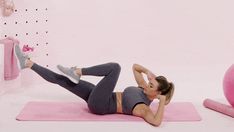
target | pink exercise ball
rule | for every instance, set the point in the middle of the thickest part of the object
(228, 85)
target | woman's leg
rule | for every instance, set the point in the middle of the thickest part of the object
(100, 100)
(82, 89)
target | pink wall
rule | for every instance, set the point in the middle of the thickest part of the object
(191, 42)
(1, 62)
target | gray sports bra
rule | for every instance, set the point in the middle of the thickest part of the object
(131, 97)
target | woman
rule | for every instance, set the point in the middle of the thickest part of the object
(100, 98)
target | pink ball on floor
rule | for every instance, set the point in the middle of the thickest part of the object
(228, 85)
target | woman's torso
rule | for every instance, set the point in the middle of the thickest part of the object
(128, 99)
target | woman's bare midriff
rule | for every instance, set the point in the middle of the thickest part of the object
(119, 102)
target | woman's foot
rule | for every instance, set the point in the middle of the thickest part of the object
(70, 72)
(22, 58)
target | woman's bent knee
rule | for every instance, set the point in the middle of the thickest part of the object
(115, 66)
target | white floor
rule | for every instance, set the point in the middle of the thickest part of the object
(14, 98)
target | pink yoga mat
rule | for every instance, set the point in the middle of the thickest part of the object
(78, 111)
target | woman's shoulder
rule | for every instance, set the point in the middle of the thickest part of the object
(132, 88)
(133, 91)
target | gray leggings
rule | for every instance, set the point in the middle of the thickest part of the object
(100, 98)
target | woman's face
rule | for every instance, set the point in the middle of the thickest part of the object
(152, 88)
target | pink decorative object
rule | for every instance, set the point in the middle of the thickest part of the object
(7, 7)
(26, 48)
(11, 70)
(78, 111)
(222, 108)
(228, 85)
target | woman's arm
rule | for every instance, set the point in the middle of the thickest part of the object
(146, 113)
(159, 114)
(137, 71)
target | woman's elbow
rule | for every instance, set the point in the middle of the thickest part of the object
(157, 123)
(134, 66)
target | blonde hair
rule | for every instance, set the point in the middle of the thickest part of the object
(166, 88)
